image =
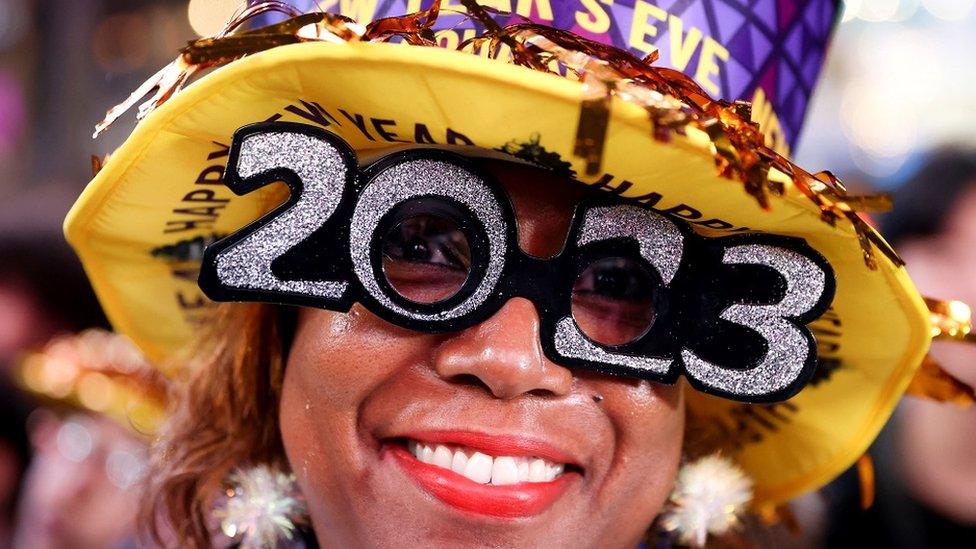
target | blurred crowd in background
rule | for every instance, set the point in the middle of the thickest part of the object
(895, 111)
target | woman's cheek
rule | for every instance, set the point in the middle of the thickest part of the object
(345, 355)
(649, 420)
(336, 362)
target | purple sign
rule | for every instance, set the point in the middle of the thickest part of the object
(769, 52)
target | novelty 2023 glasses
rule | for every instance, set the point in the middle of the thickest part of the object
(427, 240)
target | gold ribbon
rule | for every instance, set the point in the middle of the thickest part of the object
(931, 382)
(951, 320)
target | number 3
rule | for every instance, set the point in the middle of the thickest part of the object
(791, 348)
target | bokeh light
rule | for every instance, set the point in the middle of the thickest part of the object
(877, 10)
(125, 467)
(13, 22)
(880, 11)
(74, 441)
(208, 17)
(949, 10)
(14, 112)
(898, 81)
(119, 45)
(96, 392)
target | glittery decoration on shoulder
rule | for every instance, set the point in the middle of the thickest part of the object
(262, 507)
(708, 498)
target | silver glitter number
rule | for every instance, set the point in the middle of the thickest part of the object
(660, 243)
(426, 177)
(322, 171)
(659, 240)
(570, 342)
(788, 348)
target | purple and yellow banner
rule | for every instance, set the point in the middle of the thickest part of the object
(769, 52)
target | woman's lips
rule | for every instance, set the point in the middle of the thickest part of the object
(503, 477)
(495, 445)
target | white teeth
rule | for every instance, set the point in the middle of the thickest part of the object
(478, 468)
(537, 470)
(484, 469)
(426, 454)
(443, 456)
(504, 471)
(553, 471)
(459, 461)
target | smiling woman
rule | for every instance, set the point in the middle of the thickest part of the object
(476, 432)
(481, 341)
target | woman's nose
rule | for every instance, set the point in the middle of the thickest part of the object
(504, 354)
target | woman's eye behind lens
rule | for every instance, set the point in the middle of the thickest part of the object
(426, 258)
(613, 301)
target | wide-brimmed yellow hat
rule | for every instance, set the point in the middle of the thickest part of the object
(622, 125)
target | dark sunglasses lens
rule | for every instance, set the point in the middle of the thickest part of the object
(426, 258)
(613, 300)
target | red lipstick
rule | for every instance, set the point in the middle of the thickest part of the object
(524, 499)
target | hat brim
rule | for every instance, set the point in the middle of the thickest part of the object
(135, 224)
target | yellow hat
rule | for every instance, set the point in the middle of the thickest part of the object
(625, 126)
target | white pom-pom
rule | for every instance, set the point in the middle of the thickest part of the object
(708, 496)
(261, 507)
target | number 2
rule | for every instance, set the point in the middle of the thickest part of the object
(316, 171)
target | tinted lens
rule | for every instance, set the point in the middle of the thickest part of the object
(613, 300)
(426, 258)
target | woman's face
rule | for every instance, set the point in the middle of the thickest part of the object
(544, 455)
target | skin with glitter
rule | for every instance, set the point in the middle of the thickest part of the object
(363, 399)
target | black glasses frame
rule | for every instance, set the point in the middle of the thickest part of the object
(689, 307)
